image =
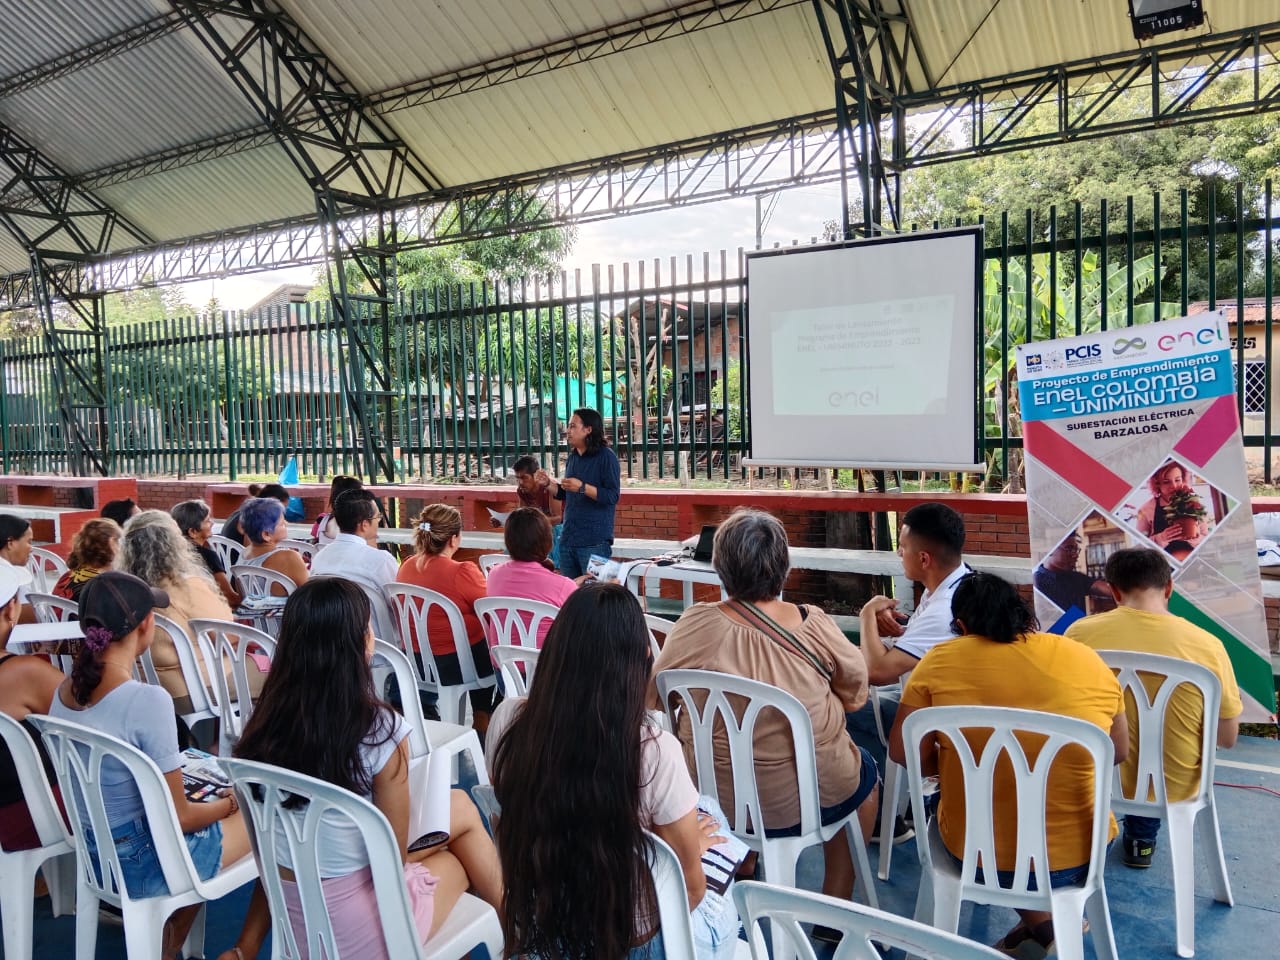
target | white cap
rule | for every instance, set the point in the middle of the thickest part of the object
(12, 579)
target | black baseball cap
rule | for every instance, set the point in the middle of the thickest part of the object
(118, 602)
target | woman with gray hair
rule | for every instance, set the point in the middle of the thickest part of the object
(798, 649)
(154, 550)
(195, 520)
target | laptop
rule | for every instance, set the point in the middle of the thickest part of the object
(702, 552)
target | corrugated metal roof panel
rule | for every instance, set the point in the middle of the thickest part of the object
(747, 72)
(251, 187)
(394, 42)
(162, 95)
(965, 40)
(13, 258)
(37, 31)
(170, 92)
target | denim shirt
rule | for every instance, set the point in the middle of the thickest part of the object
(587, 521)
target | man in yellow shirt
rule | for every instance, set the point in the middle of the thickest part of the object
(1139, 579)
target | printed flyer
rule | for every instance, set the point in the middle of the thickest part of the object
(1132, 438)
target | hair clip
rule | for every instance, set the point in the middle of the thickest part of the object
(424, 527)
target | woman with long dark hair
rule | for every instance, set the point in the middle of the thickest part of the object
(320, 715)
(579, 886)
(1000, 659)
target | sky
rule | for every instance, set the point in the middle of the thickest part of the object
(798, 215)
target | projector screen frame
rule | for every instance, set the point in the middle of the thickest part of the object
(977, 464)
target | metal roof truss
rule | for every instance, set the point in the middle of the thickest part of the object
(996, 113)
(356, 167)
(62, 227)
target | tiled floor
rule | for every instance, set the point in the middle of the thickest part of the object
(1141, 901)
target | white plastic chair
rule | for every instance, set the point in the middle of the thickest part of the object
(427, 735)
(226, 647)
(18, 867)
(294, 836)
(516, 666)
(672, 897)
(190, 662)
(894, 777)
(78, 754)
(45, 567)
(380, 615)
(786, 909)
(49, 608)
(659, 627)
(488, 561)
(944, 884)
(260, 581)
(514, 620)
(683, 689)
(227, 549)
(411, 606)
(257, 583)
(308, 551)
(1150, 799)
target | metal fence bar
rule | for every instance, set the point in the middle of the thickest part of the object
(481, 370)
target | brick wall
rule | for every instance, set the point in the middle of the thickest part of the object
(996, 524)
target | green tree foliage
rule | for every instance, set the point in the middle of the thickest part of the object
(1203, 159)
(1041, 310)
(461, 286)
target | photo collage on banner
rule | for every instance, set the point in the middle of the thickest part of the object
(1132, 438)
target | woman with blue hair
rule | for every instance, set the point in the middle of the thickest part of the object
(262, 520)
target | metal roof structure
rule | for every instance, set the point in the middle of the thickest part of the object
(126, 101)
(143, 141)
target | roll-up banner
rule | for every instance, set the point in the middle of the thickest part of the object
(1132, 438)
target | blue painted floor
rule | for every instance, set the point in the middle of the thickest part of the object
(1141, 901)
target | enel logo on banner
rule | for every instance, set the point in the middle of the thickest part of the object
(1204, 336)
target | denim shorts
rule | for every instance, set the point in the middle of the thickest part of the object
(867, 780)
(143, 876)
(1066, 877)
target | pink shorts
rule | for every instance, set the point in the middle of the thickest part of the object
(351, 902)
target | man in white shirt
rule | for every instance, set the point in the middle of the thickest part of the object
(354, 554)
(930, 542)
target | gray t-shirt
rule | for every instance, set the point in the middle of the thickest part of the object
(138, 714)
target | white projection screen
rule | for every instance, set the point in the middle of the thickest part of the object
(863, 353)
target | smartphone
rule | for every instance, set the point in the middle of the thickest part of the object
(428, 840)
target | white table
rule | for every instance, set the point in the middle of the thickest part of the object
(644, 579)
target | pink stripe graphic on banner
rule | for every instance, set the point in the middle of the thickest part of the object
(1066, 459)
(1215, 427)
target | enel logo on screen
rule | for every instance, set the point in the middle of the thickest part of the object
(854, 398)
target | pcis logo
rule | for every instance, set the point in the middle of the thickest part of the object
(1084, 355)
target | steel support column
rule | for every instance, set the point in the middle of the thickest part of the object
(874, 54)
(357, 168)
(62, 227)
